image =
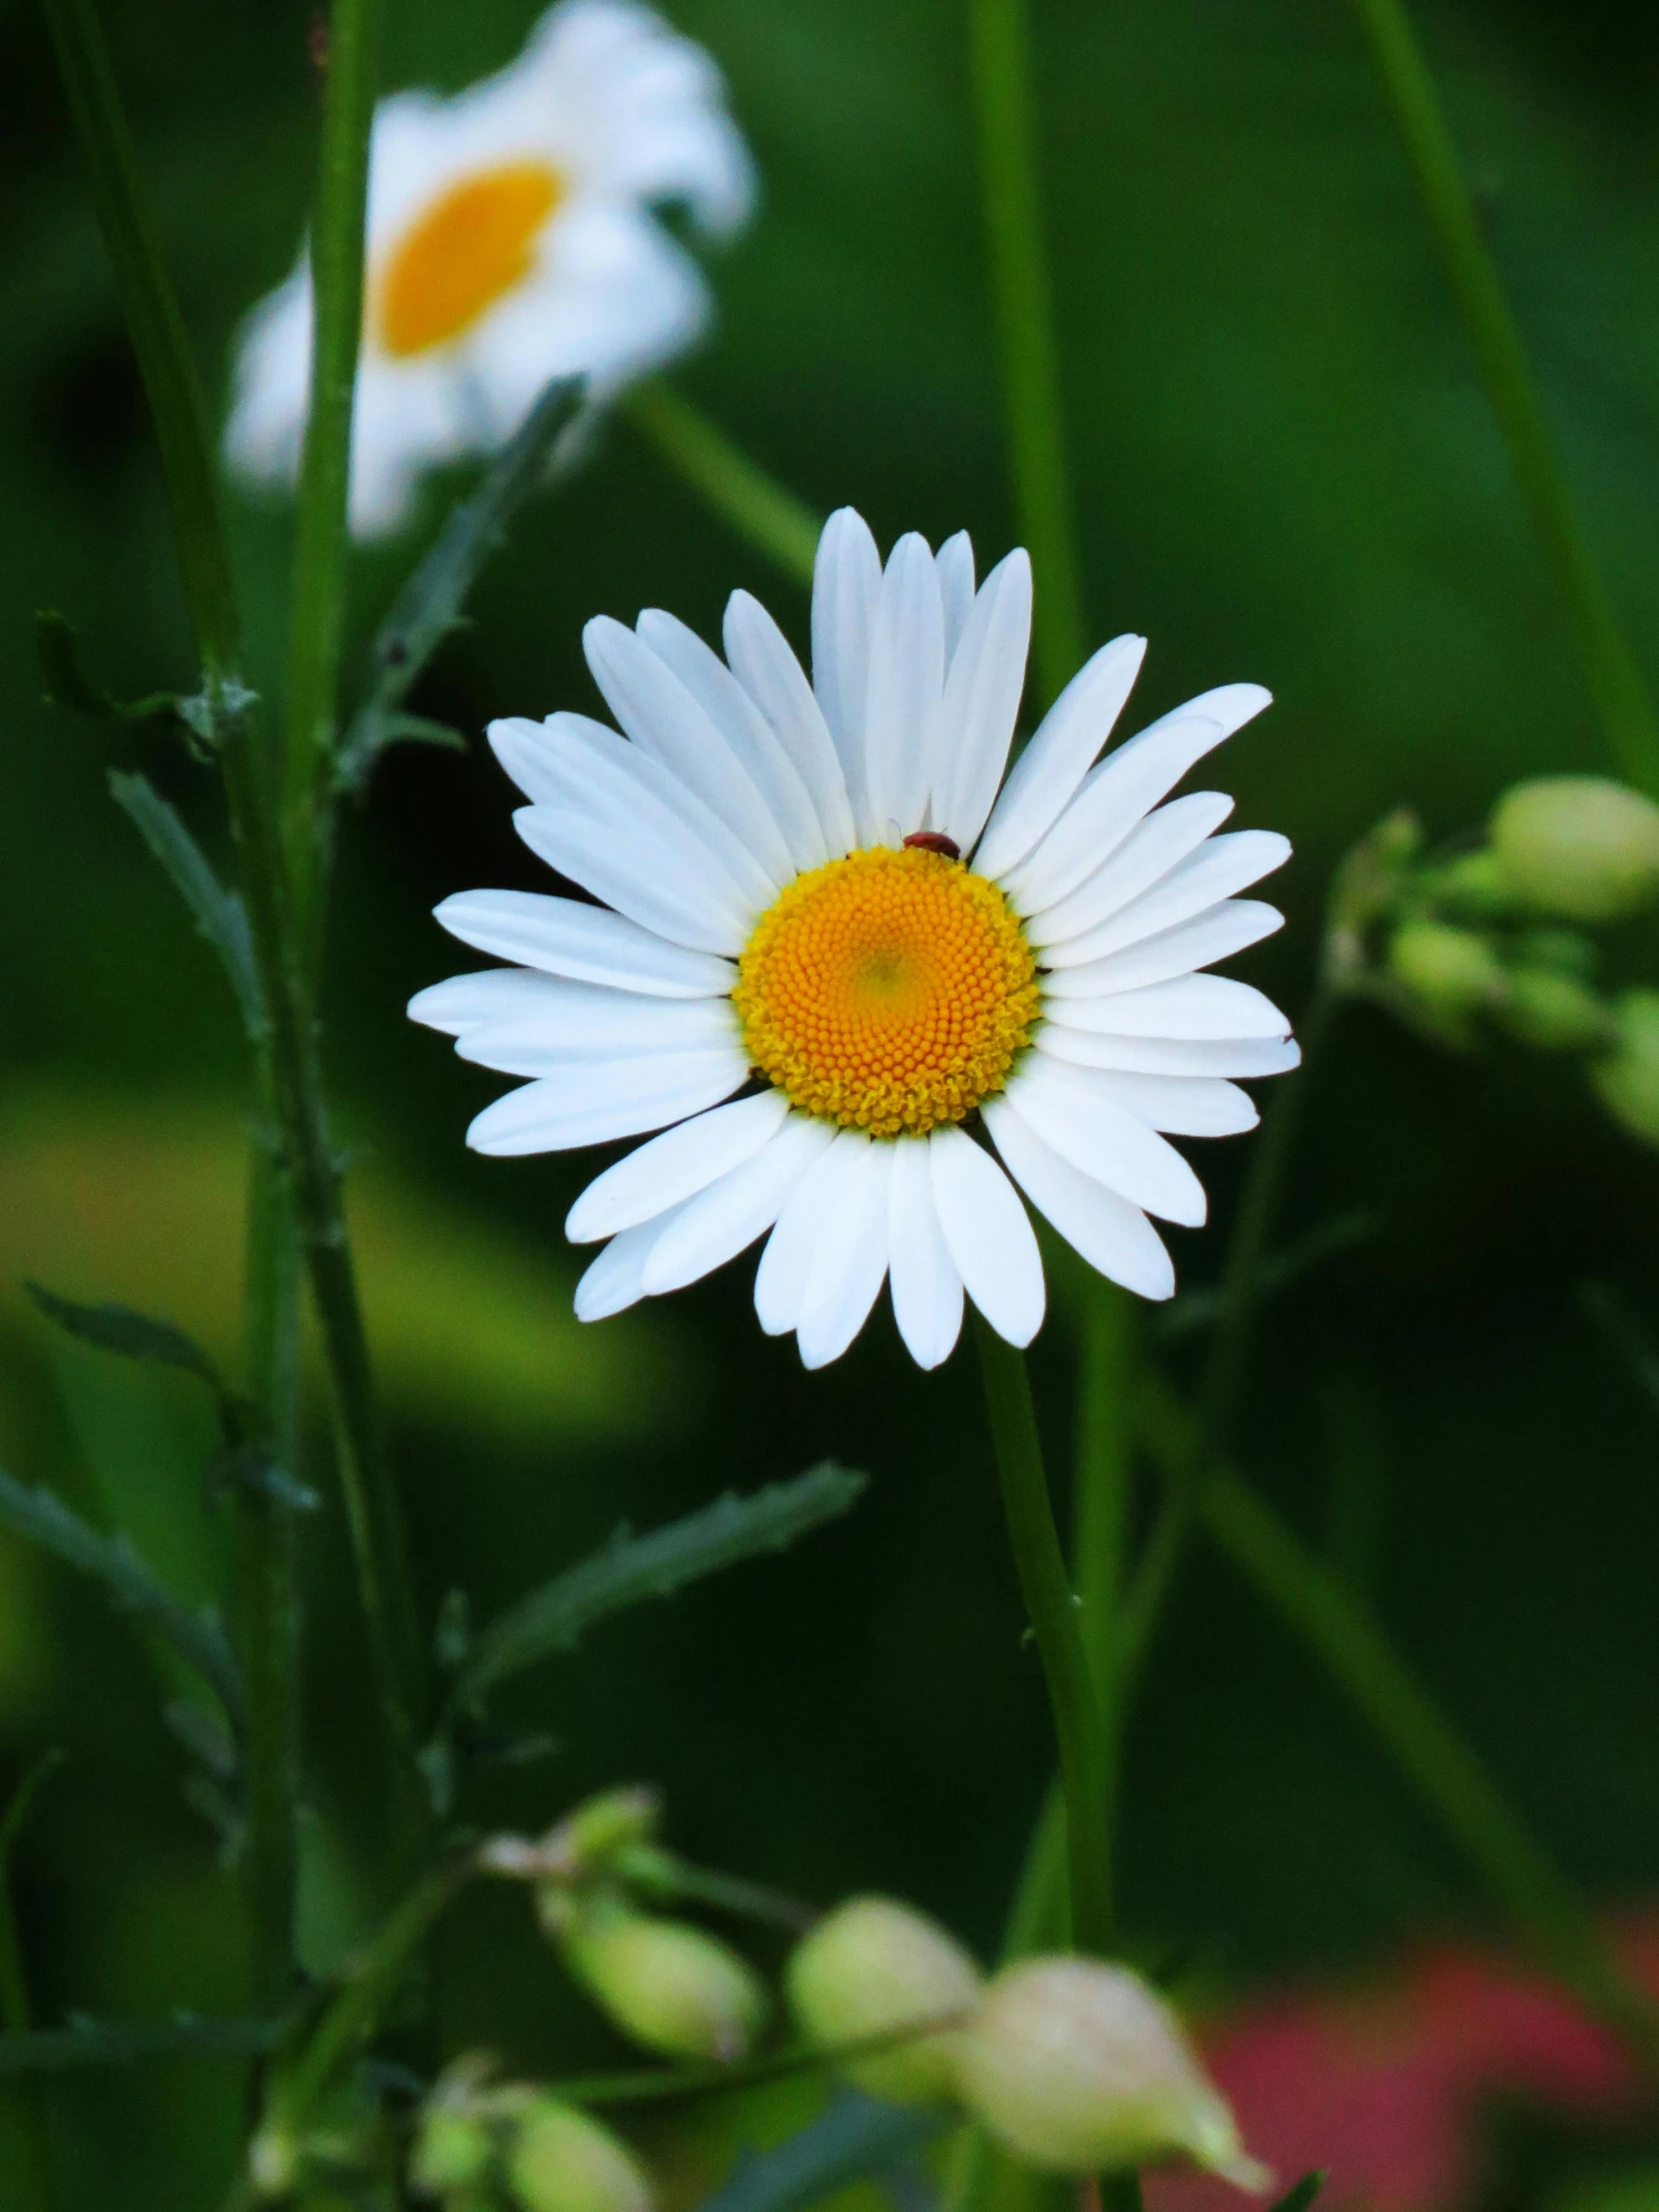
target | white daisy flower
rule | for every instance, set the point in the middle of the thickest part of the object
(837, 950)
(510, 239)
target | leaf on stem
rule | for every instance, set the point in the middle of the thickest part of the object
(1299, 2198)
(133, 1335)
(219, 915)
(856, 2137)
(197, 1638)
(429, 605)
(632, 1570)
(58, 650)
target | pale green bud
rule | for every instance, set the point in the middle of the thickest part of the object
(1473, 887)
(1628, 1079)
(273, 2161)
(1078, 2067)
(873, 1966)
(1556, 1012)
(671, 1987)
(562, 2160)
(1578, 845)
(1449, 972)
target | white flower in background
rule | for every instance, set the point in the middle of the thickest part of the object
(786, 916)
(510, 240)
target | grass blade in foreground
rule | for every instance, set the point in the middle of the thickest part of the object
(1621, 696)
(632, 1570)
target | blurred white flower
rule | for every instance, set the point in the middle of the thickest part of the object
(510, 239)
(786, 915)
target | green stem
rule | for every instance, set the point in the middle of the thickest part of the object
(1023, 302)
(1620, 695)
(1105, 1467)
(269, 1607)
(1340, 1631)
(322, 545)
(1054, 1619)
(762, 511)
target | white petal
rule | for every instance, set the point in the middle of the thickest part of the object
(754, 739)
(722, 1221)
(575, 1023)
(1073, 1116)
(1192, 1006)
(1149, 853)
(571, 760)
(662, 718)
(955, 561)
(645, 878)
(589, 943)
(1047, 773)
(907, 684)
(846, 581)
(1178, 1105)
(1122, 787)
(806, 1223)
(464, 1002)
(595, 1103)
(676, 1166)
(1189, 945)
(763, 664)
(988, 1235)
(1114, 1237)
(851, 1261)
(616, 1279)
(1235, 1056)
(981, 702)
(1219, 868)
(926, 1290)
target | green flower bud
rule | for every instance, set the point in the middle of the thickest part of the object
(1628, 1079)
(1447, 971)
(562, 2160)
(1077, 2068)
(273, 2161)
(1556, 1012)
(1578, 845)
(1473, 887)
(873, 1966)
(671, 1987)
(455, 2149)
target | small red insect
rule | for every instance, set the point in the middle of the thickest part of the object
(936, 840)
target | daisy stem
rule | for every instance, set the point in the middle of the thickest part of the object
(1052, 1606)
(764, 512)
(1337, 1627)
(322, 545)
(1022, 296)
(1620, 695)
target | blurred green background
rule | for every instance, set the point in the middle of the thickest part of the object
(1284, 471)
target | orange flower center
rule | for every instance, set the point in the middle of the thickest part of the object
(887, 991)
(465, 253)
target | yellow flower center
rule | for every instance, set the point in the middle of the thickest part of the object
(888, 992)
(460, 257)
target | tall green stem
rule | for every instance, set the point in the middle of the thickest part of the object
(1105, 1464)
(269, 1607)
(1023, 302)
(322, 545)
(1340, 1632)
(1052, 1607)
(1621, 696)
(290, 1069)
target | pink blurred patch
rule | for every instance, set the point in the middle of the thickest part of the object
(1383, 2089)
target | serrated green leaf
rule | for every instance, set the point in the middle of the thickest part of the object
(130, 1334)
(217, 914)
(121, 2042)
(429, 605)
(632, 1570)
(856, 2137)
(57, 649)
(197, 1638)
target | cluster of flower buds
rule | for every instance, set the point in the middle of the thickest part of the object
(1492, 940)
(484, 2147)
(1074, 2065)
(666, 1984)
